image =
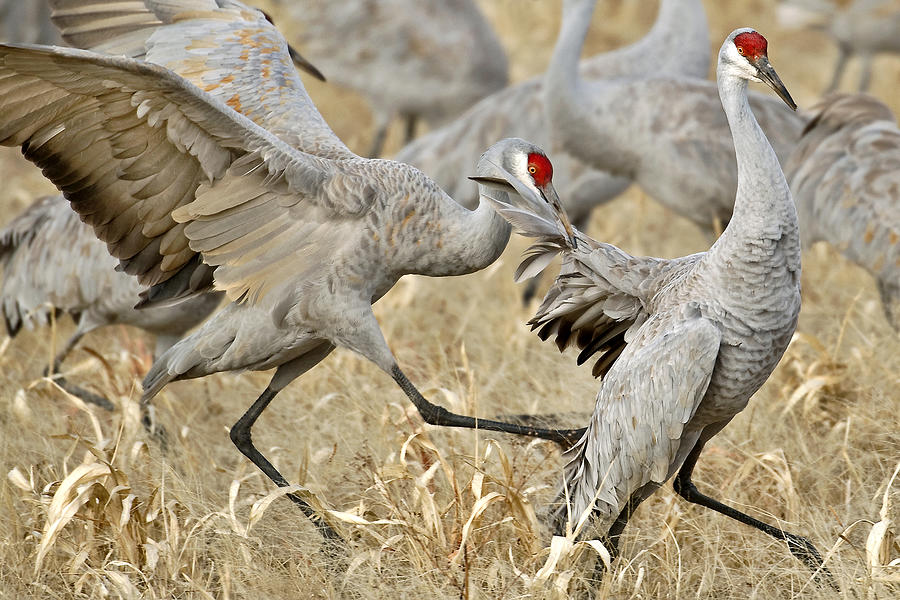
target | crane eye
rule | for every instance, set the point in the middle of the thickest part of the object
(532, 169)
(740, 50)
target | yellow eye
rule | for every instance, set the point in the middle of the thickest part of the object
(740, 50)
(532, 169)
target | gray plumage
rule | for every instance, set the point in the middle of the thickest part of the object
(52, 262)
(416, 59)
(446, 154)
(681, 343)
(864, 28)
(26, 21)
(845, 178)
(223, 47)
(667, 134)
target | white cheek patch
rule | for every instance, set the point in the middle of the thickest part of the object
(519, 166)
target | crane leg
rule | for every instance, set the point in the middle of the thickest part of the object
(799, 546)
(840, 65)
(438, 415)
(71, 388)
(409, 132)
(612, 537)
(865, 77)
(240, 435)
(382, 122)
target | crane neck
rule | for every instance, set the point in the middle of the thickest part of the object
(463, 241)
(564, 99)
(763, 208)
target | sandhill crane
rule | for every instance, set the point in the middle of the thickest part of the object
(864, 29)
(417, 59)
(681, 343)
(673, 140)
(26, 21)
(447, 154)
(845, 179)
(53, 263)
(191, 195)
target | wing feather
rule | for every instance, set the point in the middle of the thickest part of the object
(141, 118)
(225, 48)
(638, 425)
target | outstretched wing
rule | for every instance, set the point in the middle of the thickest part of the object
(638, 425)
(129, 143)
(223, 47)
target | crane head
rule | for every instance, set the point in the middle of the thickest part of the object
(746, 50)
(519, 167)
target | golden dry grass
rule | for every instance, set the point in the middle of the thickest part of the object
(92, 508)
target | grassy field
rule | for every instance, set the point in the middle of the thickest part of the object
(93, 508)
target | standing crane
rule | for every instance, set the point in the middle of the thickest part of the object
(845, 179)
(41, 279)
(191, 195)
(864, 29)
(673, 140)
(681, 343)
(417, 59)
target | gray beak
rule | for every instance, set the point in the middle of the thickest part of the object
(300, 62)
(304, 65)
(550, 196)
(767, 73)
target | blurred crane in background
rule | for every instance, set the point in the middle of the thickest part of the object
(416, 59)
(26, 21)
(53, 263)
(667, 134)
(864, 28)
(845, 178)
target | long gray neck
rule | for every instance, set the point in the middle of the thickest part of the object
(584, 116)
(467, 240)
(763, 208)
(564, 93)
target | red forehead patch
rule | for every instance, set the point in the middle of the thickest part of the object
(540, 169)
(751, 44)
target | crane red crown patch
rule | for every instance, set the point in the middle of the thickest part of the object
(751, 44)
(540, 169)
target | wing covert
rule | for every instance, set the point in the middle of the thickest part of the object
(649, 395)
(225, 48)
(129, 143)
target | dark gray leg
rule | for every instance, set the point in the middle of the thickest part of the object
(438, 415)
(799, 546)
(71, 388)
(843, 56)
(409, 132)
(240, 435)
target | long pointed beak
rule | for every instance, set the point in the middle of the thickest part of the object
(552, 198)
(304, 65)
(767, 73)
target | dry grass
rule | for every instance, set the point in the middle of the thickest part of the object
(91, 508)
